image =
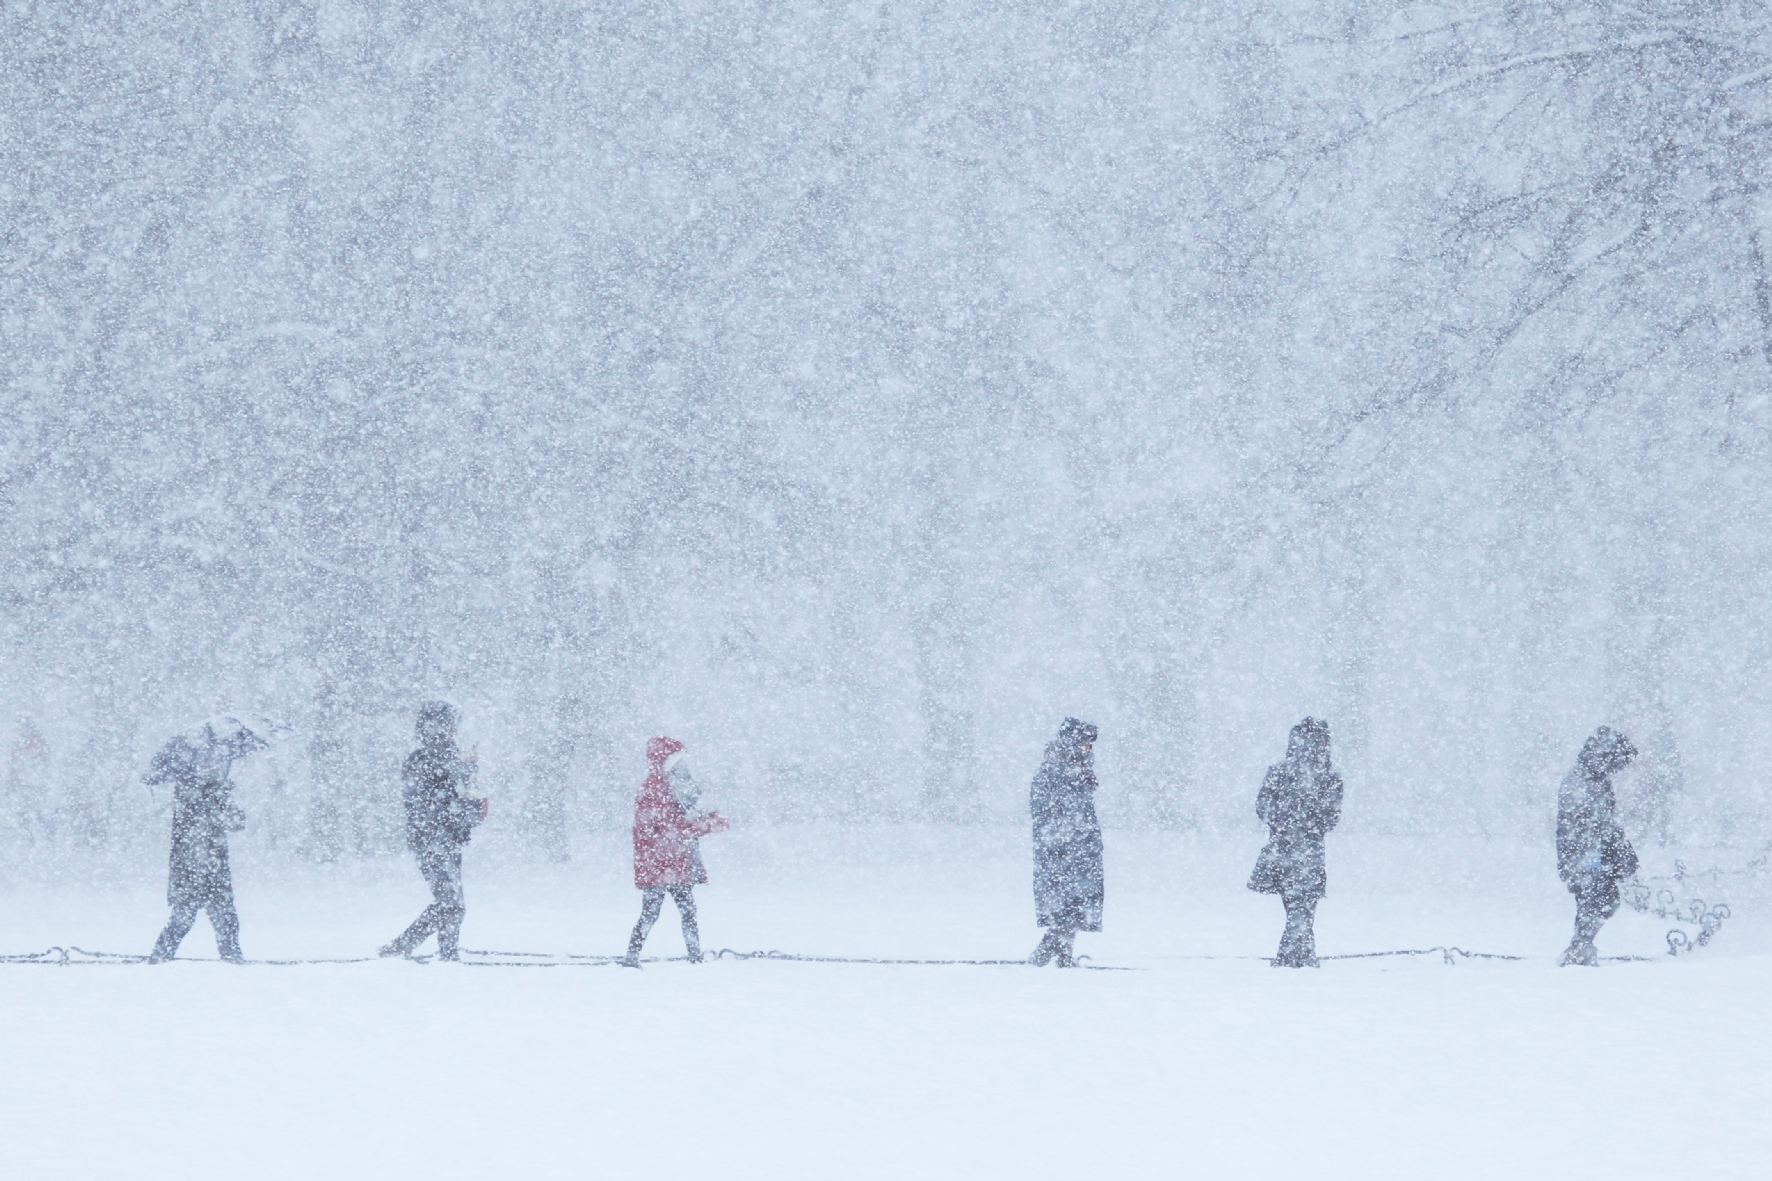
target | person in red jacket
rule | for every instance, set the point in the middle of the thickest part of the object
(667, 845)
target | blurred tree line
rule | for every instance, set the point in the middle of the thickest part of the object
(859, 389)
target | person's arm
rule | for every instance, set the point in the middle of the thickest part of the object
(230, 814)
(1331, 815)
(463, 777)
(1046, 807)
(1577, 836)
(652, 819)
(1267, 799)
(706, 824)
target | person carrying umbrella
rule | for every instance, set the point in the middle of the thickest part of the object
(196, 763)
(441, 812)
(1068, 877)
(668, 828)
(1300, 799)
(1593, 854)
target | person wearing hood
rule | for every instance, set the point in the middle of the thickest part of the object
(1593, 854)
(1300, 801)
(1068, 876)
(668, 827)
(199, 878)
(441, 812)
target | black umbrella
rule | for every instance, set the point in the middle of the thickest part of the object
(213, 743)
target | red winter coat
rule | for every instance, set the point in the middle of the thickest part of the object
(665, 836)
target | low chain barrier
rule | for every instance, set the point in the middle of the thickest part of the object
(64, 957)
(481, 958)
(1642, 896)
(1665, 904)
(1450, 955)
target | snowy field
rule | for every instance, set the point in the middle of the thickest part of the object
(1197, 1060)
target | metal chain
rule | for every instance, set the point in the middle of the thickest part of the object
(1665, 904)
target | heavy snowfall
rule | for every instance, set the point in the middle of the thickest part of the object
(953, 590)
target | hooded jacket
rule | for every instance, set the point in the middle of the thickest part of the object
(437, 785)
(1068, 872)
(667, 828)
(203, 813)
(1300, 800)
(1592, 849)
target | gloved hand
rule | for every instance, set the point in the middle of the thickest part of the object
(485, 807)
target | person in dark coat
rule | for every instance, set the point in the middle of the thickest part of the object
(441, 812)
(1593, 854)
(1300, 801)
(199, 878)
(1068, 877)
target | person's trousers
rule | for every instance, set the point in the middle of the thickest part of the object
(1298, 943)
(1595, 902)
(652, 905)
(219, 902)
(1058, 942)
(442, 869)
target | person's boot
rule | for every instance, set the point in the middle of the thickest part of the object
(1043, 953)
(393, 949)
(1581, 955)
(162, 952)
(1298, 942)
(692, 942)
(1307, 949)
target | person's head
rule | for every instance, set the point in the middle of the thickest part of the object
(660, 751)
(437, 722)
(1077, 738)
(1309, 742)
(1606, 752)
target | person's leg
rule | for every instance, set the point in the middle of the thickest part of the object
(1581, 950)
(1297, 942)
(451, 903)
(225, 919)
(1065, 942)
(417, 933)
(684, 897)
(1594, 904)
(651, 904)
(1307, 933)
(1049, 944)
(431, 917)
(177, 927)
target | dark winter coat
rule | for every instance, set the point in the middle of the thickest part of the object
(440, 811)
(203, 814)
(1068, 875)
(1300, 801)
(1592, 850)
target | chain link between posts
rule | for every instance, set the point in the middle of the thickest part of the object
(1642, 896)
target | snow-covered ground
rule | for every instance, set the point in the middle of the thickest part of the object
(1181, 1066)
